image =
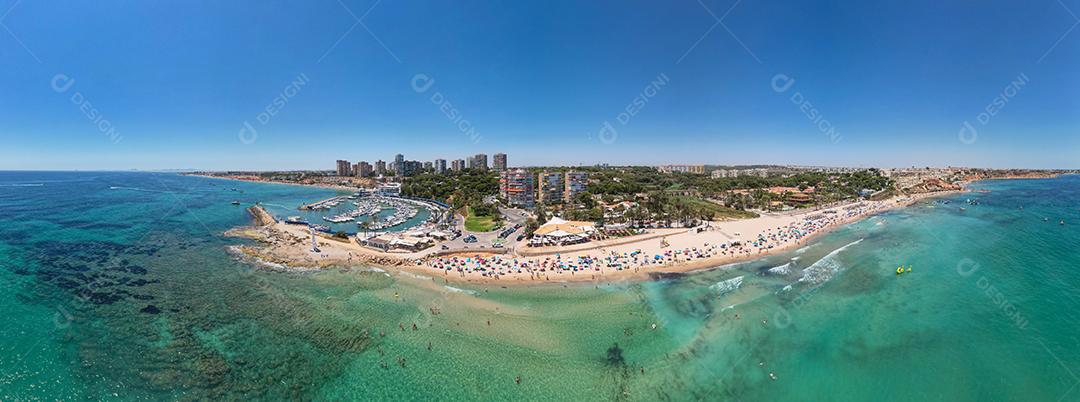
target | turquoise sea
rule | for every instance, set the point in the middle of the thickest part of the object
(120, 286)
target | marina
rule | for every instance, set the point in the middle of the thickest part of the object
(362, 213)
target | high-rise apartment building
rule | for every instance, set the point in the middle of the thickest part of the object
(575, 182)
(457, 165)
(499, 162)
(380, 167)
(516, 187)
(551, 187)
(408, 168)
(399, 165)
(440, 166)
(479, 161)
(343, 168)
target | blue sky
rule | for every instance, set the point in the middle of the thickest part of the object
(896, 81)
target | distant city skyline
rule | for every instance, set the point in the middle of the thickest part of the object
(247, 86)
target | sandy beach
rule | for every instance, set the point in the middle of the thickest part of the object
(661, 251)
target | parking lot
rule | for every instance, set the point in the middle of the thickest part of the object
(484, 241)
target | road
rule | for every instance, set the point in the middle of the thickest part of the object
(511, 216)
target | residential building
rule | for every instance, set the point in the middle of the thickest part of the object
(479, 161)
(399, 165)
(410, 167)
(696, 169)
(575, 182)
(499, 162)
(343, 168)
(457, 165)
(517, 188)
(389, 189)
(365, 169)
(428, 166)
(722, 173)
(356, 169)
(440, 166)
(380, 167)
(550, 188)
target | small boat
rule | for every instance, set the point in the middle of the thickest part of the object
(296, 220)
(1061, 222)
(962, 209)
(236, 202)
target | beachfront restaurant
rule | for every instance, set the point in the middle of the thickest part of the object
(559, 232)
(376, 242)
(387, 243)
(410, 243)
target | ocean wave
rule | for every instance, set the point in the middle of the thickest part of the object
(457, 290)
(825, 268)
(780, 270)
(727, 286)
(804, 248)
(23, 185)
(139, 189)
(414, 276)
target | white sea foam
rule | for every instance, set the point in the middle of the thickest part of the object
(804, 248)
(825, 268)
(414, 276)
(727, 286)
(23, 185)
(780, 270)
(457, 290)
(138, 189)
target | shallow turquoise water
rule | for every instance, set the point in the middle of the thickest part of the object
(120, 285)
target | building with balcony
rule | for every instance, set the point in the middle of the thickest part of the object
(550, 189)
(517, 188)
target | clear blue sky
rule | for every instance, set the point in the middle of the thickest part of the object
(177, 80)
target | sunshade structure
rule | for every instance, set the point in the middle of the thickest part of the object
(560, 231)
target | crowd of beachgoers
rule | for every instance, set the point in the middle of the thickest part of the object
(710, 243)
